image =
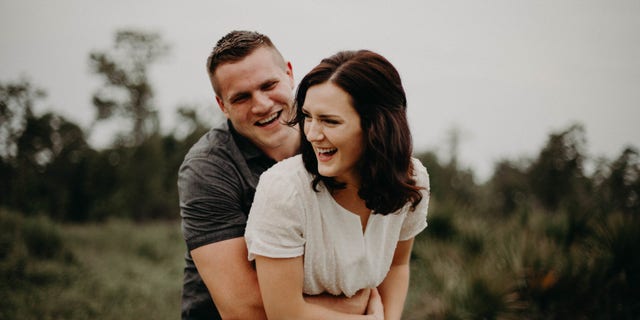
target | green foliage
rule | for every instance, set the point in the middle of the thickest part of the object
(116, 270)
(509, 188)
(618, 183)
(514, 268)
(17, 101)
(32, 255)
(556, 177)
(126, 92)
(139, 188)
(42, 168)
(53, 171)
(440, 221)
(540, 240)
(449, 183)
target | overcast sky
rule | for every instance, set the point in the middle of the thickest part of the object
(505, 73)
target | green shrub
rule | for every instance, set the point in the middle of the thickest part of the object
(42, 237)
(440, 221)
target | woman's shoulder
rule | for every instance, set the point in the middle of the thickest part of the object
(291, 164)
(286, 182)
(287, 169)
(418, 166)
(420, 172)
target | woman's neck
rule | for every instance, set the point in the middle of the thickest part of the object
(349, 199)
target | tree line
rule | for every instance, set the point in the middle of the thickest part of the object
(48, 167)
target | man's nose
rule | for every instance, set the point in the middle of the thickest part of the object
(261, 103)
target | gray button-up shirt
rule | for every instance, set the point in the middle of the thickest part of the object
(216, 183)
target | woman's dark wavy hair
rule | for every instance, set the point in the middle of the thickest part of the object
(386, 171)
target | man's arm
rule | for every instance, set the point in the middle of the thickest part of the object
(233, 284)
(213, 221)
(230, 279)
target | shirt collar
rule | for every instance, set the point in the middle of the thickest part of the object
(247, 148)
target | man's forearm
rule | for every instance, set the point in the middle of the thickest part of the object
(230, 279)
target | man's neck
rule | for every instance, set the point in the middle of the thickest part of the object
(286, 150)
(289, 147)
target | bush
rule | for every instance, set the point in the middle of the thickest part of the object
(24, 238)
(32, 257)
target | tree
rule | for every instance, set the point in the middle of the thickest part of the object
(127, 92)
(556, 177)
(449, 184)
(618, 183)
(509, 187)
(40, 156)
(23, 145)
(16, 107)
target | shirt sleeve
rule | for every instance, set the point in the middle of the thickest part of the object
(210, 201)
(275, 224)
(416, 220)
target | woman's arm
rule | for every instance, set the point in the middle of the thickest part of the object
(396, 284)
(281, 282)
(357, 304)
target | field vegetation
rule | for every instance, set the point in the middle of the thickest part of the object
(116, 269)
(88, 233)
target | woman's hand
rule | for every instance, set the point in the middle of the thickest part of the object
(360, 301)
(375, 310)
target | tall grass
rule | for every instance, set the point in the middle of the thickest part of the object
(114, 270)
(532, 265)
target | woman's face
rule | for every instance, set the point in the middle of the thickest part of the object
(332, 126)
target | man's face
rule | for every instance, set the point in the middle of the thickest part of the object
(256, 95)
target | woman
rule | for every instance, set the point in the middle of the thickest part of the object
(341, 216)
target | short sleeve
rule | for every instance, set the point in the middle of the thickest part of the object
(276, 220)
(416, 219)
(210, 201)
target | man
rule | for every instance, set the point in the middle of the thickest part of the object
(254, 86)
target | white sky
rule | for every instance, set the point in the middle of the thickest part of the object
(505, 73)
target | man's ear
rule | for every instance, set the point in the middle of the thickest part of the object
(290, 73)
(222, 107)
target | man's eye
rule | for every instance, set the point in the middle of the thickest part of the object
(239, 99)
(269, 85)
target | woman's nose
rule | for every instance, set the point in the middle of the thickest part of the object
(313, 131)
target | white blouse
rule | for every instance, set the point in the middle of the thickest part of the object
(289, 219)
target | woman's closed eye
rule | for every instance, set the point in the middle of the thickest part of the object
(331, 121)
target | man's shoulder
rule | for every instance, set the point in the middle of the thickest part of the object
(213, 142)
(212, 153)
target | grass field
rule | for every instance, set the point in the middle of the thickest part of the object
(115, 270)
(528, 266)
